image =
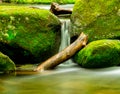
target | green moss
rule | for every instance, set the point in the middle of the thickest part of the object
(101, 53)
(104, 28)
(6, 64)
(16, 19)
(17, 22)
(86, 11)
(99, 19)
(32, 30)
(43, 41)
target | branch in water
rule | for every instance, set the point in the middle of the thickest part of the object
(64, 55)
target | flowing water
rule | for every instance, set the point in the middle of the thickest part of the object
(64, 79)
(65, 36)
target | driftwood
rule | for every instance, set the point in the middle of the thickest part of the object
(55, 9)
(64, 55)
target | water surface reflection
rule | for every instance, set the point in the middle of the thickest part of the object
(64, 80)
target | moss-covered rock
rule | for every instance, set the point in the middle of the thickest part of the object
(100, 19)
(28, 35)
(6, 64)
(98, 54)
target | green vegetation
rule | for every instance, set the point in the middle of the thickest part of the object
(43, 1)
(98, 54)
(100, 19)
(6, 64)
(28, 34)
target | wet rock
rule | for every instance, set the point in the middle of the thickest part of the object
(28, 35)
(100, 19)
(99, 54)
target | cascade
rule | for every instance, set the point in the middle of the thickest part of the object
(65, 36)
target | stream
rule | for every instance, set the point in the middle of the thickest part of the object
(68, 78)
(64, 80)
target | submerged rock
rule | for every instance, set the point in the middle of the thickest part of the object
(98, 54)
(28, 35)
(6, 64)
(99, 19)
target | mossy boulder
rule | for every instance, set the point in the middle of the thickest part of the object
(28, 35)
(99, 54)
(99, 19)
(6, 64)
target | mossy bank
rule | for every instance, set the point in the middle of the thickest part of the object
(28, 35)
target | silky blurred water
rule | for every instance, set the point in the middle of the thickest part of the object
(63, 80)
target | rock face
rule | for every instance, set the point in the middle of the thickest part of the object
(28, 35)
(98, 54)
(100, 19)
(6, 64)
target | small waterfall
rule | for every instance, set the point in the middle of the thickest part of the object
(65, 35)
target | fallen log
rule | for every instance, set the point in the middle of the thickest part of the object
(64, 55)
(55, 9)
